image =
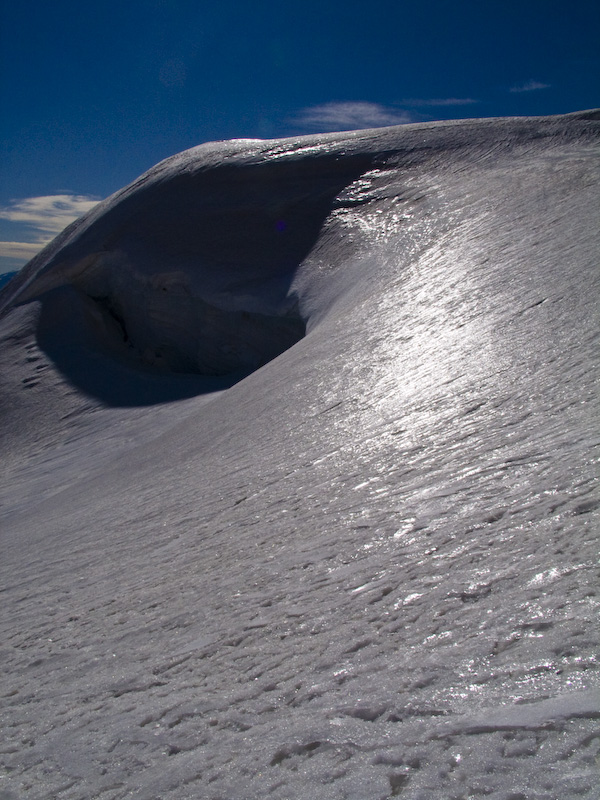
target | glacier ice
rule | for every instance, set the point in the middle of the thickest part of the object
(299, 490)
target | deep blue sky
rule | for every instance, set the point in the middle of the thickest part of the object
(95, 93)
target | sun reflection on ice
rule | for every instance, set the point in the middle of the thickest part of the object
(441, 350)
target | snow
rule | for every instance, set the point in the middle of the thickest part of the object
(339, 539)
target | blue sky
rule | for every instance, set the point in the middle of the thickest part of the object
(93, 94)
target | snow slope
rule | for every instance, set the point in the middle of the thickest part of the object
(300, 469)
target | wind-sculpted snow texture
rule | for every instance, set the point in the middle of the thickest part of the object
(300, 446)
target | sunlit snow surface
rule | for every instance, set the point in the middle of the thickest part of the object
(369, 568)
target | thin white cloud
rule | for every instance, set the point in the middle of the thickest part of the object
(350, 116)
(529, 86)
(22, 250)
(49, 214)
(441, 101)
(42, 218)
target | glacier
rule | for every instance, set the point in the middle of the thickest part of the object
(300, 475)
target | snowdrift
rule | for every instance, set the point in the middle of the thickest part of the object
(300, 489)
